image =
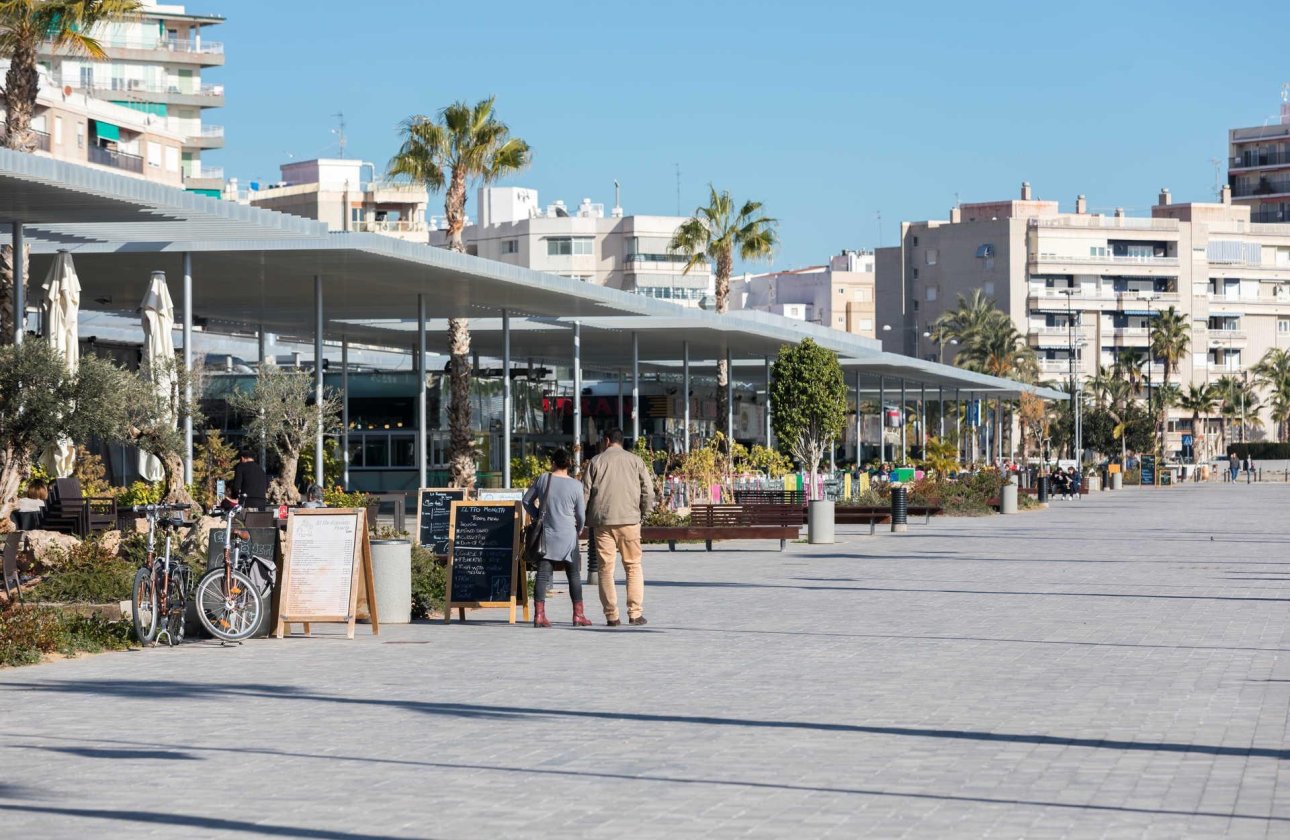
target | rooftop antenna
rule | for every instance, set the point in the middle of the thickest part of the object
(1285, 103)
(1218, 178)
(339, 131)
(618, 202)
(878, 216)
(678, 188)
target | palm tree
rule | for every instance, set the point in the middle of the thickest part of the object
(1129, 366)
(717, 232)
(974, 315)
(1239, 402)
(999, 350)
(24, 25)
(1169, 341)
(1200, 400)
(1273, 373)
(463, 144)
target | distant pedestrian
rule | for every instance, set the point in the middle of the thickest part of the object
(557, 501)
(619, 492)
(314, 497)
(1248, 465)
(1233, 464)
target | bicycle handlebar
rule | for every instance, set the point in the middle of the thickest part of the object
(159, 508)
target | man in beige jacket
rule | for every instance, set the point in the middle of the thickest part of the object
(620, 491)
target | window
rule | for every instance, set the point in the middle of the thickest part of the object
(58, 131)
(988, 287)
(915, 274)
(80, 135)
(931, 293)
(510, 246)
(87, 76)
(356, 214)
(915, 241)
(1283, 325)
(565, 246)
(154, 154)
(933, 254)
(866, 323)
(172, 159)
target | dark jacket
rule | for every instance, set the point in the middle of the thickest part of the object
(249, 480)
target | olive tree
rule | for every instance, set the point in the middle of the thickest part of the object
(41, 401)
(280, 413)
(808, 402)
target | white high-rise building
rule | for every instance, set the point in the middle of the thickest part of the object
(154, 65)
(839, 295)
(615, 250)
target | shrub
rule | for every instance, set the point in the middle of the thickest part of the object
(1261, 451)
(140, 493)
(87, 574)
(338, 498)
(28, 631)
(429, 582)
(664, 518)
(525, 470)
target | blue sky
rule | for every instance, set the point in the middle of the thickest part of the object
(828, 112)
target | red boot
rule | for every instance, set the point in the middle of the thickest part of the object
(579, 617)
(539, 615)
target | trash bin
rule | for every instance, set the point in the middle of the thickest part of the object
(819, 522)
(899, 509)
(392, 580)
(1042, 493)
(1008, 498)
(1117, 480)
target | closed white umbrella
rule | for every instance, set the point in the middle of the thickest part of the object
(158, 354)
(62, 304)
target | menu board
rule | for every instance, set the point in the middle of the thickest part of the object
(1148, 469)
(434, 509)
(500, 494)
(483, 557)
(326, 556)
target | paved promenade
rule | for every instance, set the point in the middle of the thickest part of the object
(1117, 667)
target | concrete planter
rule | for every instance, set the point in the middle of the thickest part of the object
(392, 580)
(1008, 498)
(819, 522)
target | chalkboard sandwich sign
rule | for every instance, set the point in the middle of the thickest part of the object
(484, 565)
(434, 509)
(326, 557)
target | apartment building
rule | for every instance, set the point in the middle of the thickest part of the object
(71, 126)
(615, 250)
(1082, 286)
(839, 295)
(154, 65)
(345, 194)
(1258, 167)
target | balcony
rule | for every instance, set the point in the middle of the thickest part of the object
(168, 50)
(1056, 366)
(1105, 223)
(394, 227)
(1265, 186)
(1252, 159)
(209, 137)
(116, 160)
(136, 90)
(1126, 334)
(1063, 259)
(1222, 337)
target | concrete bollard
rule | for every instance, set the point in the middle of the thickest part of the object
(1008, 498)
(899, 509)
(392, 580)
(819, 522)
(1117, 481)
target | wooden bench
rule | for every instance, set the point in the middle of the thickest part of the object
(925, 511)
(732, 522)
(853, 516)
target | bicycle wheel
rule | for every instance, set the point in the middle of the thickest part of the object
(143, 606)
(176, 606)
(233, 615)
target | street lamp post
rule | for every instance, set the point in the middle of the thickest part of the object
(1157, 445)
(910, 328)
(1077, 443)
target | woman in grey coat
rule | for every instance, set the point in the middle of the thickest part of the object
(558, 501)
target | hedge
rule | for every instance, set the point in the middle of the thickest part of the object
(1260, 450)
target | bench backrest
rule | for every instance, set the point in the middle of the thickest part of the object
(727, 516)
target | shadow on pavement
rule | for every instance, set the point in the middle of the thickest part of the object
(167, 689)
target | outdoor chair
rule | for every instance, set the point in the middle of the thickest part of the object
(12, 589)
(73, 513)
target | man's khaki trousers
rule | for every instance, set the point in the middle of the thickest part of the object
(625, 540)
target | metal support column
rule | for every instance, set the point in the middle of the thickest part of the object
(188, 365)
(261, 340)
(577, 395)
(421, 391)
(621, 424)
(508, 407)
(998, 429)
(685, 395)
(730, 401)
(859, 423)
(940, 411)
(344, 412)
(882, 419)
(636, 389)
(19, 283)
(904, 405)
(770, 429)
(319, 475)
(922, 418)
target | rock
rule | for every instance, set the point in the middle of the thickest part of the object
(111, 541)
(45, 549)
(201, 533)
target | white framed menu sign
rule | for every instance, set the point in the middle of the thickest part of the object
(326, 557)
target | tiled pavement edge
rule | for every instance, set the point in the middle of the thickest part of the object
(1114, 667)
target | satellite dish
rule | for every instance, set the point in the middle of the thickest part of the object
(67, 90)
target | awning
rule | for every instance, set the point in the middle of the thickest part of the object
(107, 131)
(1146, 313)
